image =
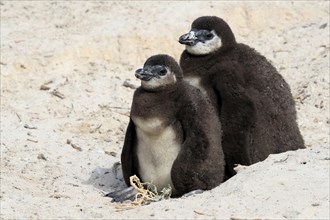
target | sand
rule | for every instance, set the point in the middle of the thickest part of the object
(65, 104)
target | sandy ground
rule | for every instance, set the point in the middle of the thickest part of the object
(60, 145)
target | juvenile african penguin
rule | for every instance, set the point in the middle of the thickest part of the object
(255, 104)
(172, 136)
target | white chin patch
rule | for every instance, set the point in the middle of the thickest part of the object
(207, 47)
(154, 83)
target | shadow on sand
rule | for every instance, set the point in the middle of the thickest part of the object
(107, 179)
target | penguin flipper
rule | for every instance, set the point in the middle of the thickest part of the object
(185, 170)
(128, 161)
(196, 168)
(128, 155)
(238, 113)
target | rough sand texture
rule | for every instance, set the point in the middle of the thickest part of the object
(84, 51)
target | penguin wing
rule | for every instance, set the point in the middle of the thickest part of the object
(238, 112)
(128, 155)
(233, 92)
(189, 171)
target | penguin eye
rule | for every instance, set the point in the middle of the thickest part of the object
(209, 36)
(162, 72)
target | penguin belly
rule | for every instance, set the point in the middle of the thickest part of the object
(196, 82)
(157, 148)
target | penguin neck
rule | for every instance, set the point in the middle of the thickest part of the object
(228, 41)
(192, 64)
(151, 104)
(160, 89)
(227, 36)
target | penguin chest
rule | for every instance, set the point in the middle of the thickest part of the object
(157, 148)
(196, 82)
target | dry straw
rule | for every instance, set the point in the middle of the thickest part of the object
(146, 193)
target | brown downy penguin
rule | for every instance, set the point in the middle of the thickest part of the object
(255, 104)
(173, 134)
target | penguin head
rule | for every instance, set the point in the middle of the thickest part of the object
(208, 34)
(158, 72)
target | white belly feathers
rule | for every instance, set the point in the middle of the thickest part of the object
(196, 82)
(156, 151)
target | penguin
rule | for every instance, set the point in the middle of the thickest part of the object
(173, 134)
(254, 102)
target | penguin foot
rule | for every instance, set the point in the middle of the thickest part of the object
(122, 194)
(197, 191)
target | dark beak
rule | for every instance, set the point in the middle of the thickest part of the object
(144, 74)
(188, 39)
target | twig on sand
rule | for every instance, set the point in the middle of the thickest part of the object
(34, 141)
(57, 94)
(19, 117)
(235, 218)
(96, 129)
(29, 127)
(44, 86)
(129, 84)
(68, 141)
(116, 107)
(111, 153)
(282, 160)
(201, 213)
(58, 196)
(111, 107)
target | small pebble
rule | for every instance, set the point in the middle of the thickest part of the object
(41, 157)
(323, 26)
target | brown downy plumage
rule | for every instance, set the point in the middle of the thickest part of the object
(172, 114)
(255, 104)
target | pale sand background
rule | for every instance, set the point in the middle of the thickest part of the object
(88, 49)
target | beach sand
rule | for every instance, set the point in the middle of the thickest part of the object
(65, 103)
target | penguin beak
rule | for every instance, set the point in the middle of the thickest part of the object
(146, 73)
(188, 39)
